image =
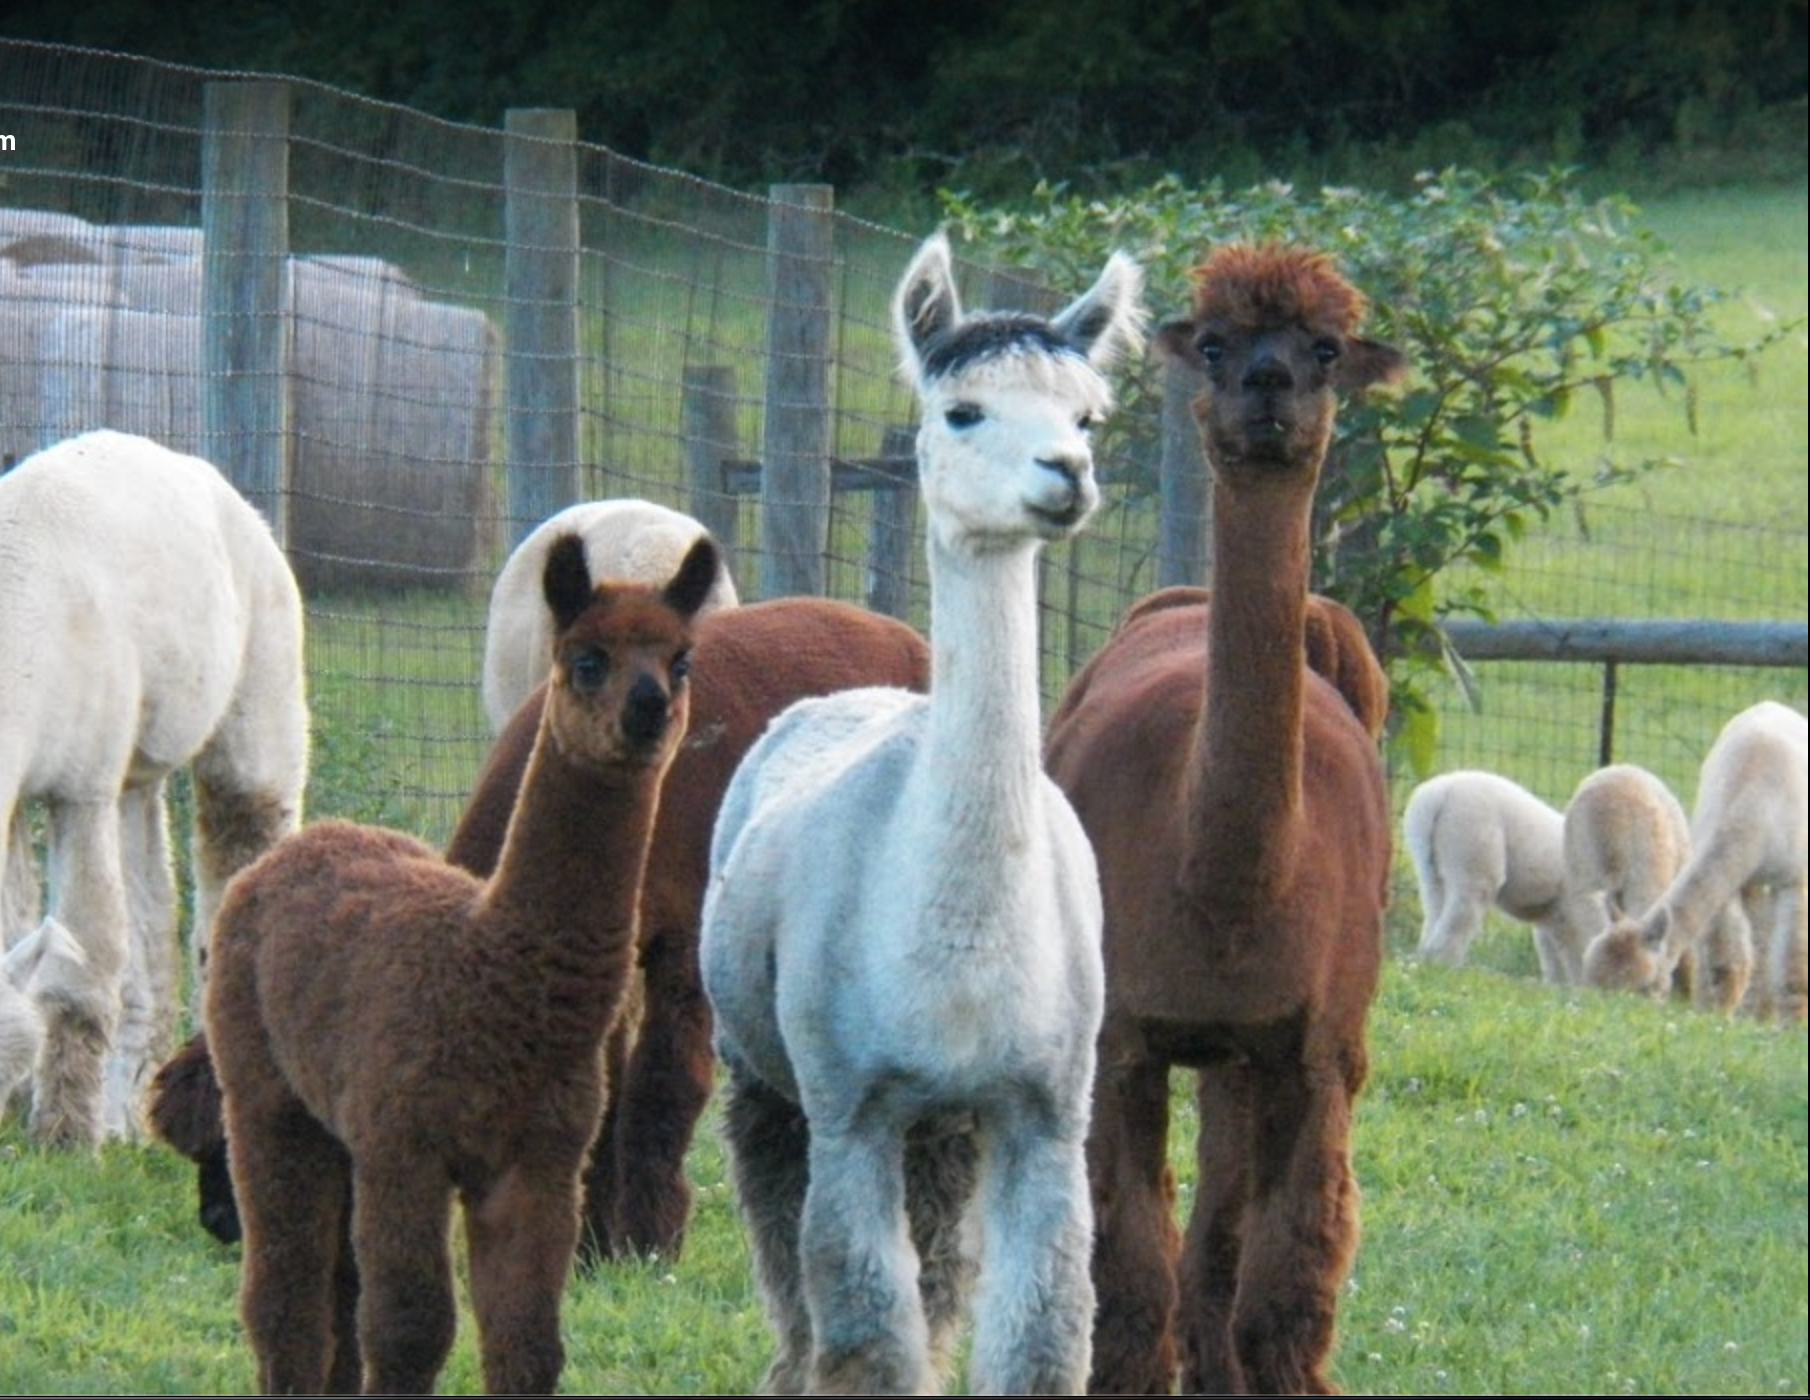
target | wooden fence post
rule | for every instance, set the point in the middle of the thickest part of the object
(245, 324)
(894, 518)
(795, 455)
(1184, 549)
(540, 281)
(707, 426)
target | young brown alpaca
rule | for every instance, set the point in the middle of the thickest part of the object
(749, 664)
(1237, 804)
(753, 662)
(390, 1032)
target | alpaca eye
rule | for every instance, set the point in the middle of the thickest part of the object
(680, 668)
(1326, 351)
(962, 415)
(1212, 349)
(589, 671)
(1087, 422)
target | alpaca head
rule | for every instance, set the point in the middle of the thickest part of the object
(1273, 331)
(1009, 401)
(1625, 957)
(617, 697)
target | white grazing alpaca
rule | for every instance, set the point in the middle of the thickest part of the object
(148, 621)
(1626, 838)
(901, 939)
(1748, 843)
(626, 540)
(1479, 839)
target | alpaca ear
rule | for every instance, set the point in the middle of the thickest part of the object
(566, 580)
(1176, 339)
(1368, 362)
(926, 303)
(686, 591)
(1106, 321)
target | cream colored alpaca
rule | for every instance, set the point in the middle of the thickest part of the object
(1626, 839)
(1478, 839)
(148, 622)
(1748, 836)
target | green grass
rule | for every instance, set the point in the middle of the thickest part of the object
(1565, 1194)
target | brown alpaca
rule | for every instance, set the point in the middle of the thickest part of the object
(751, 663)
(748, 665)
(1237, 804)
(390, 1031)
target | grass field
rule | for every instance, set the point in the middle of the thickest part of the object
(1564, 1193)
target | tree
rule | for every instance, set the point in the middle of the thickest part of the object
(1513, 297)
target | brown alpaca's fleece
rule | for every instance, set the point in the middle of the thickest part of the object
(392, 1033)
(747, 665)
(1222, 757)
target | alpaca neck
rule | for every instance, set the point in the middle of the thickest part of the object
(1710, 879)
(564, 898)
(981, 761)
(1245, 793)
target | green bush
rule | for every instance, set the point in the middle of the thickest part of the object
(1515, 298)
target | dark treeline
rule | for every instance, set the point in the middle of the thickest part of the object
(866, 92)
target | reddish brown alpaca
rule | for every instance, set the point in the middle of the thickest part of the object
(391, 1032)
(1237, 804)
(748, 665)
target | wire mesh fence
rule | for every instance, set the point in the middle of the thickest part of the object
(417, 338)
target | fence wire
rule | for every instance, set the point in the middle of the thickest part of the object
(396, 304)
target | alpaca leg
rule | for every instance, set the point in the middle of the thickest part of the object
(1135, 1241)
(768, 1145)
(21, 898)
(522, 1235)
(292, 1178)
(237, 818)
(81, 1010)
(1561, 965)
(1448, 936)
(942, 1169)
(596, 1241)
(1035, 1312)
(1214, 1243)
(147, 1024)
(406, 1312)
(1787, 971)
(1722, 962)
(670, 1074)
(1303, 1230)
(345, 1374)
(860, 1274)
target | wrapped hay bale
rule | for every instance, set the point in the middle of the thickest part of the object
(31, 298)
(391, 407)
(134, 371)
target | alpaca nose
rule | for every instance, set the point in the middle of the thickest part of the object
(1268, 373)
(1072, 468)
(645, 715)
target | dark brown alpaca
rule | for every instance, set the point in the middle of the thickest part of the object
(751, 663)
(748, 665)
(391, 1032)
(1237, 805)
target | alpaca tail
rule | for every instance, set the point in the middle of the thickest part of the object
(77, 1020)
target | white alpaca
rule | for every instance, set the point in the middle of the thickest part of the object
(148, 621)
(901, 935)
(1748, 839)
(1478, 839)
(626, 539)
(1626, 838)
